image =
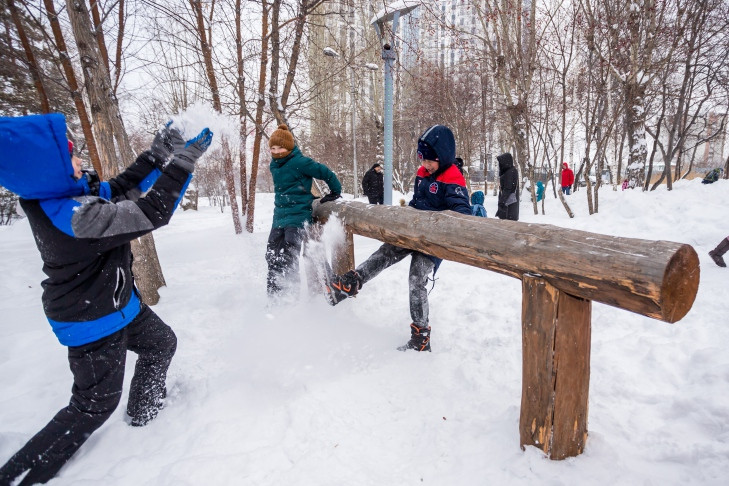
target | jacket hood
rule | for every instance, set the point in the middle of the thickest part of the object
(374, 166)
(477, 197)
(441, 139)
(34, 160)
(506, 162)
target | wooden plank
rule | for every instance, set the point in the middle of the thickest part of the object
(658, 279)
(555, 370)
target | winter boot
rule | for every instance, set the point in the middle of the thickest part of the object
(419, 339)
(339, 287)
(717, 253)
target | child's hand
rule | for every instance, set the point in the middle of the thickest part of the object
(187, 155)
(165, 141)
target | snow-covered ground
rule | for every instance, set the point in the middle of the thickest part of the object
(308, 394)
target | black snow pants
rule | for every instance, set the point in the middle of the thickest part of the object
(421, 266)
(98, 375)
(282, 256)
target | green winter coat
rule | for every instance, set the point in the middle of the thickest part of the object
(292, 179)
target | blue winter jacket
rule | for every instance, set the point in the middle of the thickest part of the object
(83, 232)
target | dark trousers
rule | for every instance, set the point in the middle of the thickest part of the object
(282, 256)
(376, 199)
(98, 375)
(421, 266)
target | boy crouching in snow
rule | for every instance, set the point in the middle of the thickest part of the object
(82, 228)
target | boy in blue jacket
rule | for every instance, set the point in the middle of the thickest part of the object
(83, 228)
(439, 185)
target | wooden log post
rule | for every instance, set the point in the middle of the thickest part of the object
(343, 256)
(555, 369)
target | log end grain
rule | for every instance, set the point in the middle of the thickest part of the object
(680, 284)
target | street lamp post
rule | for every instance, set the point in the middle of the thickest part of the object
(392, 14)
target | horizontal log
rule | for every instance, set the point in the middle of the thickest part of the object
(657, 279)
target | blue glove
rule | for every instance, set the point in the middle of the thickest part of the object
(186, 155)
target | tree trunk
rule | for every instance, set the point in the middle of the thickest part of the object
(207, 53)
(108, 124)
(242, 111)
(32, 63)
(260, 105)
(635, 128)
(76, 95)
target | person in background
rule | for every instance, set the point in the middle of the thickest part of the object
(508, 206)
(373, 185)
(293, 175)
(712, 176)
(477, 208)
(568, 178)
(717, 254)
(439, 185)
(83, 228)
(540, 190)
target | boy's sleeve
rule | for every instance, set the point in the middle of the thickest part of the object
(322, 172)
(135, 179)
(456, 198)
(117, 223)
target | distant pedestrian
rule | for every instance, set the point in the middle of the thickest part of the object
(712, 176)
(568, 178)
(373, 185)
(508, 188)
(477, 200)
(540, 190)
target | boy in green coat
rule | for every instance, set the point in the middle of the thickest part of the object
(292, 178)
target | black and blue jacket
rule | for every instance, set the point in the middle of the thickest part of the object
(83, 231)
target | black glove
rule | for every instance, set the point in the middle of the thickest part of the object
(330, 197)
(92, 179)
(165, 141)
(186, 154)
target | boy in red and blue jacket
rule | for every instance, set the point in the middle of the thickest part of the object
(439, 185)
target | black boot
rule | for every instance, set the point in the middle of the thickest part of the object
(717, 253)
(419, 339)
(339, 287)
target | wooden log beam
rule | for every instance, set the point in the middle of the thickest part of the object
(658, 279)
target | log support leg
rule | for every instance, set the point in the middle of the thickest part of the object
(343, 256)
(556, 369)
